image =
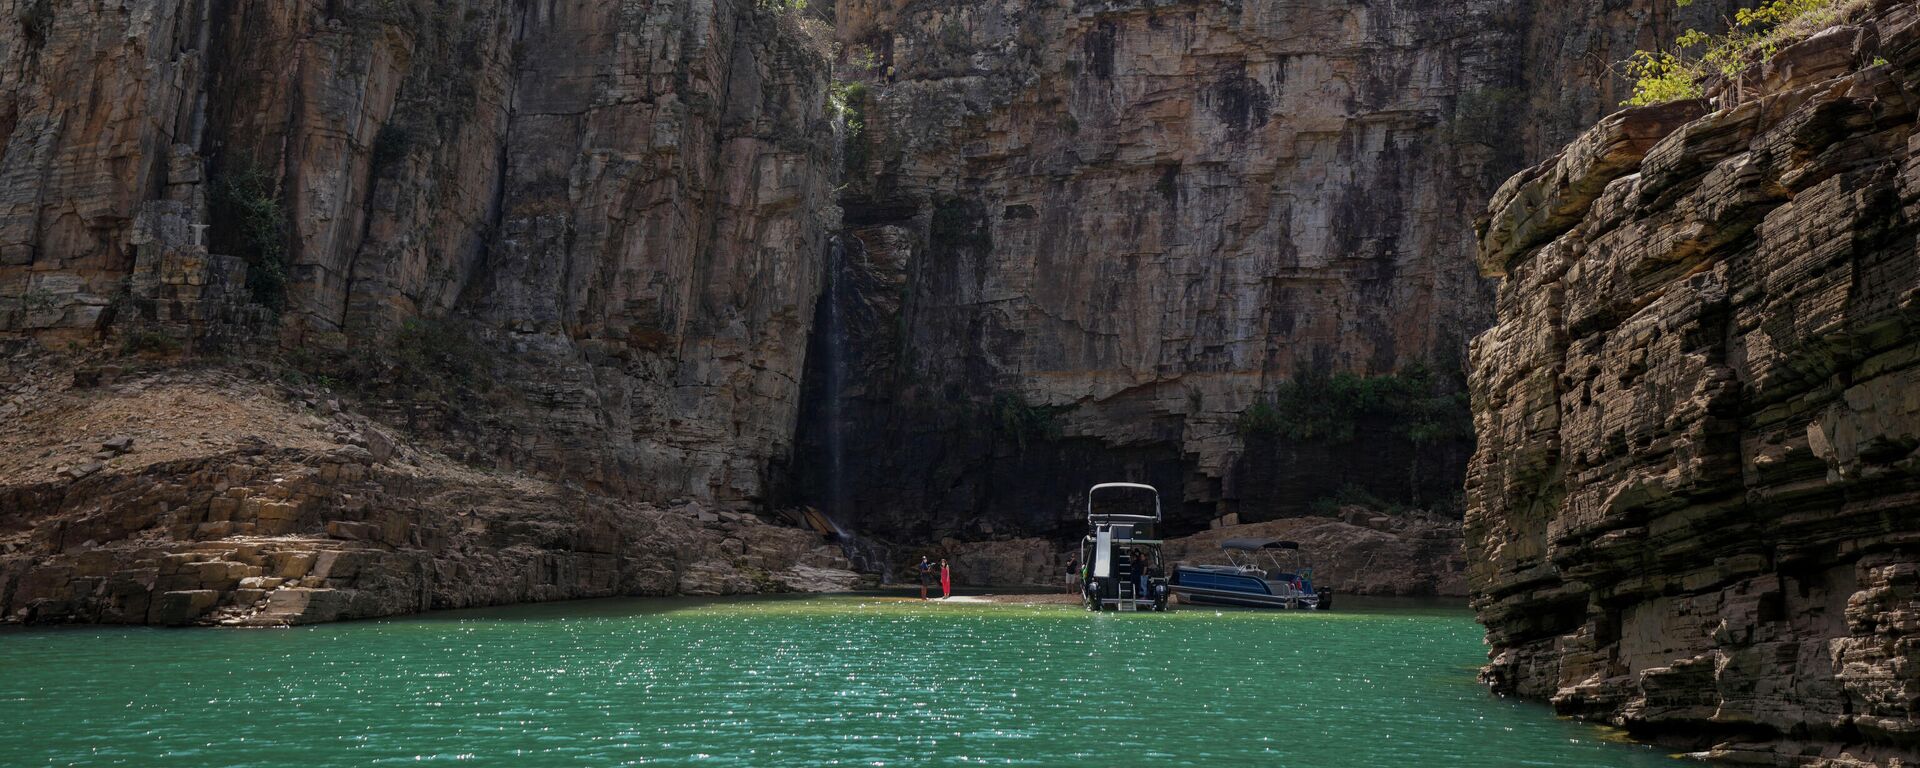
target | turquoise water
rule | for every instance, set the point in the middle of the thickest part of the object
(787, 682)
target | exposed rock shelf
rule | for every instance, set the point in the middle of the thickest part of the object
(1692, 508)
(223, 500)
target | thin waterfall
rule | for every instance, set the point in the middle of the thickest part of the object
(836, 352)
(865, 555)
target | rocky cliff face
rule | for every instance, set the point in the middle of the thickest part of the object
(1691, 508)
(580, 242)
(1085, 238)
(565, 250)
(625, 202)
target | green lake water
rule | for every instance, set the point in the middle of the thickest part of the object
(788, 682)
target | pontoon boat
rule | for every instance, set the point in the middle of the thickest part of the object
(1284, 582)
(1122, 569)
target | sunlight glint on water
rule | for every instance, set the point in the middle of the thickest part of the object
(824, 681)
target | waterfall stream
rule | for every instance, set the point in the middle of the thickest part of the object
(866, 556)
(835, 336)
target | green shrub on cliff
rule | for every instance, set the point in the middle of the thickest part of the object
(1754, 34)
(1013, 417)
(863, 58)
(36, 22)
(1661, 77)
(431, 354)
(1318, 407)
(247, 220)
(847, 101)
(1415, 412)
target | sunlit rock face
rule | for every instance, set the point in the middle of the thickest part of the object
(1084, 238)
(626, 201)
(1692, 508)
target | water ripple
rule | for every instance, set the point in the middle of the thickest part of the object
(829, 681)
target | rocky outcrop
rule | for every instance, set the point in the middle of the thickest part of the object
(1690, 513)
(199, 497)
(1084, 239)
(623, 205)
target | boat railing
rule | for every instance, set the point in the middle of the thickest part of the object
(1238, 570)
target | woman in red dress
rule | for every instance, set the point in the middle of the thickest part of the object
(946, 581)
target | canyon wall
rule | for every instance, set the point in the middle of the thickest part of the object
(625, 203)
(582, 243)
(1691, 512)
(510, 299)
(1084, 239)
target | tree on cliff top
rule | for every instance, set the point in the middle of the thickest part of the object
(1753, 34)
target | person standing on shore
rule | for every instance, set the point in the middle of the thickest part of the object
(946, 581)
(926, 575)
(1073, 574)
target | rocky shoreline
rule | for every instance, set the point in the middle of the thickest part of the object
(203, 497)
(1362, 552)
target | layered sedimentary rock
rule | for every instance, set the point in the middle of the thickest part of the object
(184, 497)
(1084, 238)
(1692, 510)
(626, 202)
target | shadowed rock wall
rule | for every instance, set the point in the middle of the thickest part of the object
(1691, 512)
(1085, 237)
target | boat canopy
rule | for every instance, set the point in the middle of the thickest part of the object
(1094, 517)
(1135, 486)
(1251, 545)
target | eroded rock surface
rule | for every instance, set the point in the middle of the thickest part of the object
(235, 503)
(1692, 511)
